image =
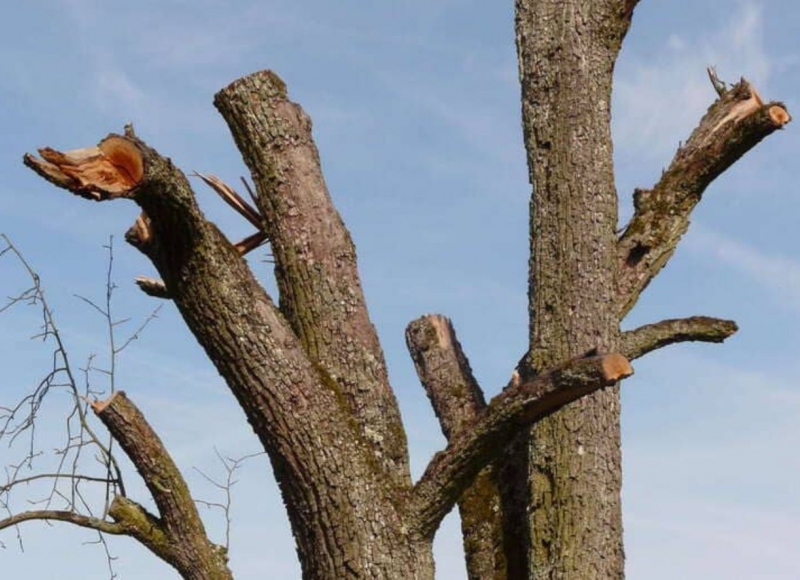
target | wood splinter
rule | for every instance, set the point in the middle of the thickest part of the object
(111, 169)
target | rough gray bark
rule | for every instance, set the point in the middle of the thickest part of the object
(309, 373)
(567, 50)
(352, 513)
(583, 280)
(457, 400)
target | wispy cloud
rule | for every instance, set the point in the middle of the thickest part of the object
(693, 508)
(658, 102)
(780, 275)
(115, 91)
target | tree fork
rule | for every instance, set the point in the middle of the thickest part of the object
(344, 508)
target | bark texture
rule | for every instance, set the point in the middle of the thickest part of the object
(353, 510)
(567, 50)
(583, 280)
(309, 372)
(457, 400)
(315, 259)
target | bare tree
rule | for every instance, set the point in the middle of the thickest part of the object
(309, 371)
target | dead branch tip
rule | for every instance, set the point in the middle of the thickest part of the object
(99, 406)
(111, 169)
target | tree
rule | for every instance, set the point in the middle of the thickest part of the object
(309, 372)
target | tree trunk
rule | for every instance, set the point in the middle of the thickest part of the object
(567, 50)
(309, 372)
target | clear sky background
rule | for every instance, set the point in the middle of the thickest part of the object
(416, 114)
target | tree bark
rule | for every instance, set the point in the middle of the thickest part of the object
(345, 512)
(573, 529)
(309, 372)
(458, 401)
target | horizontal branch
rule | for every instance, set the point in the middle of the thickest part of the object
(640, 341)
(452, 470)
(64, 516)
(733, 125)
(458, 401)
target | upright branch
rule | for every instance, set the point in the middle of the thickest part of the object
(315, 258)
(458, 402)
(737, 121)
(181, 538)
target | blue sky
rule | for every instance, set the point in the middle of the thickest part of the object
(416, 115)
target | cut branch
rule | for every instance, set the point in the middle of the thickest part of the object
(638, 342)
(294, 405)
(452, 470)
(111, 169)
(179, 517)
(458, 402)
(733, 125)
(152, 287)
(315, 259)
(445, 373)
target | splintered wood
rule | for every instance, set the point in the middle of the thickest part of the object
(112, 169)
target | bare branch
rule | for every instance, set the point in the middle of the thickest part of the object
(64, 516)
(638, 342)
(452, 470)
(181, 521)
(231, 466)
(152, 460)
(733, 125)
(444, 371)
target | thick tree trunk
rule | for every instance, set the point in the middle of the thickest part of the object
(310, 375)
(573, 529)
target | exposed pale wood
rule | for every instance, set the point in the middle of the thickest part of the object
(233, 199)
(735, 123)
(113, 168)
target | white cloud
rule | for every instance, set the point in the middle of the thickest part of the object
(780, 275)
(115, 92)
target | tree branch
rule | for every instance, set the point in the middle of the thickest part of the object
(144, 448)
(638, 342)
(733, 125)
(445, 373)
(295, 406)
(452, 470)
(458, 402)
(179, 517)
(315, 259)
(65, 516)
